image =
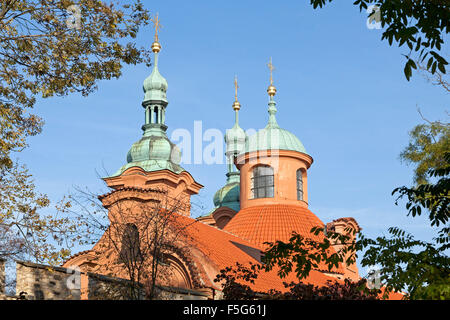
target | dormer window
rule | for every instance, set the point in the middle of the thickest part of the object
(262, 182)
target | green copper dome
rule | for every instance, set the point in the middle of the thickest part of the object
(154, 151)
(235, 139)
(228, 195)
(272, 137)
(155, 86)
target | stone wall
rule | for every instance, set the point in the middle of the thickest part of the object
(101, 287)
(41, 282)
(171, 293)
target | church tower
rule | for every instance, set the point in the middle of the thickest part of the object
(273, 183)
(154, 161)
(226, 199)
(274, 188)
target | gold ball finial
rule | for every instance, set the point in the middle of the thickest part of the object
(236, 104)
(156, 47)
(271, 90)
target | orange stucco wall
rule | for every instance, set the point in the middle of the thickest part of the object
(285, 165)
(178, 186)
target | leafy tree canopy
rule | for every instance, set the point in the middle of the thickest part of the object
(52, 48)
(419, 268)
(427, 147)
(417, 24)
(236, 285)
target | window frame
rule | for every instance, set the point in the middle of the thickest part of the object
(265, 183)
(300, 185)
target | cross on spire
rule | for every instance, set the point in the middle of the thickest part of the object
(156, 25)
(236, 104)
(271, 68)
(235, 88)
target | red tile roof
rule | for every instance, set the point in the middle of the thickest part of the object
(225, 249)
(259, 224)
(269, 223)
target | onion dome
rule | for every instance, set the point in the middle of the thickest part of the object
(155, 85)
(154, 151)
(235, 140)
(228, 195)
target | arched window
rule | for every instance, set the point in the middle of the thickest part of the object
(156, 115)
(299, 184)
(262, 185)
(130, 250)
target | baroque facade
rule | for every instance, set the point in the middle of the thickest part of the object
(265, 199)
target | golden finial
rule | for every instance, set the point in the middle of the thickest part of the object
(236, 104)
(156, 47)
(235, 88)
(271, 90)
(271, 68)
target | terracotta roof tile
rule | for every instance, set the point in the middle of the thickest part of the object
(222, 248)
(270, 223)
(273, 222)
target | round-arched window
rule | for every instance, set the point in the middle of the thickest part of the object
(130, 251)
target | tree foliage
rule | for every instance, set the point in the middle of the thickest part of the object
(25, 232)
(51, 48)
(427, 147)
(420, 269)
(304, 254)
(418, 25)
(236, 285)
(432, 197)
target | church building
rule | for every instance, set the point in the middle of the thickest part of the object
(264, 198)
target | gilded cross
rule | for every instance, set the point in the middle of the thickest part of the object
(156, 25)
(235, 87)
(271, 68)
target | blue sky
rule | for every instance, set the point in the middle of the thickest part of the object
(341, 91)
